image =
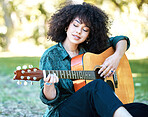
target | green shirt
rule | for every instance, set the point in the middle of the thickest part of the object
(56, 58)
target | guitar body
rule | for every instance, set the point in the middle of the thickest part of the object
(90, 61)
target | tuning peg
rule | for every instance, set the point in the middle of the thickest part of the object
(31, 83)
(30, 66)
(18, 67)
(19, 82)
(24, 66)
(25, 83)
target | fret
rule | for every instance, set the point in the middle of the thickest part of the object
(86, 75)
(47, 72)
(62, 74)
(89, 75)
(57, 73)
(92, 75)
(80, 74)
(74, 74)
(50, 71)
(68, 74)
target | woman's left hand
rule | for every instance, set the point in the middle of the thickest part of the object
(109, 66)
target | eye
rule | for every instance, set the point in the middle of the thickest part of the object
(86, 29)
(76, 25)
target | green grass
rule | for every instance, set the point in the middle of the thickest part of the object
(18, 100)
(140, 70)
(8, 65)
(7, 68)
(27, 97)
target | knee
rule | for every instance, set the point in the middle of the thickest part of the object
(97, 84)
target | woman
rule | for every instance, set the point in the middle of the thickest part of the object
(79, 29)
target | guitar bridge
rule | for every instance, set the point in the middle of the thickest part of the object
(115, 80)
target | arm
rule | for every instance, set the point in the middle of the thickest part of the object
(111, 63)
(49, 89)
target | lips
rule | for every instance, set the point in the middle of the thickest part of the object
(76, 36)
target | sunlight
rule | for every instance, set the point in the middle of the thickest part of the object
(25, 49)
(3, 29)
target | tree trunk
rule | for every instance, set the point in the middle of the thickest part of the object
(8, 24)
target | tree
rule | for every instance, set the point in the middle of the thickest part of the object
(5, 38)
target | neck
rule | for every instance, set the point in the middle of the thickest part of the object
(72, 49)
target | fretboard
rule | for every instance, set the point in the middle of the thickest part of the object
(68, 74)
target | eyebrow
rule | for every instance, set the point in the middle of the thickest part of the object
(81, 23)
(78, 21)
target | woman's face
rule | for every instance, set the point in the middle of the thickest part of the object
(77, 32)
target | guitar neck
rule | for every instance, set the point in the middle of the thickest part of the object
(35, 74)
(68, 74)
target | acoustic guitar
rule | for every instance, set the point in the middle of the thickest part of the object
(85, 67)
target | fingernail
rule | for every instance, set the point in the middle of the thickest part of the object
(101, 75)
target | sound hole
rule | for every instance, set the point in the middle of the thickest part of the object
(98, 75)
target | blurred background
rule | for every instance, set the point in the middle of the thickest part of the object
(23, 39)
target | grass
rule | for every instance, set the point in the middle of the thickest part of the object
(18, 100)
(140, 75)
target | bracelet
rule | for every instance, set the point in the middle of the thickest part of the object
(47, 83)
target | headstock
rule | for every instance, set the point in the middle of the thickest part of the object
(31, 74)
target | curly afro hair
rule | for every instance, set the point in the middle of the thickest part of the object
(90, 15)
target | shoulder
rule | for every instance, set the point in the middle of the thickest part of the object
(48, 57)
(51, 52)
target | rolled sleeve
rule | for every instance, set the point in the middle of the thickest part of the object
(116, 39)
(49, 102)
(46, 65)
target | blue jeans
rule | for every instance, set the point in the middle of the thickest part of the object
(97, 99)
(93, 100)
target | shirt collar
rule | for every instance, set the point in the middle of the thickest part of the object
(64, 53)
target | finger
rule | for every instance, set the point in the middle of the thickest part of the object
(51, 79)
(105, 71)
(103, 67)
(57, 79)
(46, 79)
(110, 73)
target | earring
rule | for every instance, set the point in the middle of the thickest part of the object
(66, 29)
(87, 40)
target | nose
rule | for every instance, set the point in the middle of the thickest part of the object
(79, 30)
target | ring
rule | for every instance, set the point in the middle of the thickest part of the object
(112, 71)
(106, 66)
